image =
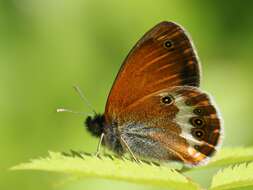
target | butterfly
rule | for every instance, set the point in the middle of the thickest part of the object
(155, 109)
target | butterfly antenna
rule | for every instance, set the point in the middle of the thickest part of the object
(70, 111)
(80, 93)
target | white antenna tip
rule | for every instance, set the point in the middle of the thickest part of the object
(70, 111)
(60, 110)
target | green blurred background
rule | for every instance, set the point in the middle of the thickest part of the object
(47, 46)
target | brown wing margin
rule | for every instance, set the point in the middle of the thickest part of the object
(164, 57)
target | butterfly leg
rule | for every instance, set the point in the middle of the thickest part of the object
(129, 150)
(99, 144)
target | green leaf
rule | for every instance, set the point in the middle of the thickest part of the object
(110, 168)
(233, 177)
(229, 156)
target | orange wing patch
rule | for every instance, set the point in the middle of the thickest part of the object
(153, 66)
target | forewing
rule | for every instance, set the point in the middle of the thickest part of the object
(164, 57)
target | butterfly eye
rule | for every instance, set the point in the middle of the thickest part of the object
(168, 44)
(197, 122)
(167, 99)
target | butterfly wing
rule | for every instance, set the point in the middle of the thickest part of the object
(186, 129)
(162, 58)
(162, 63)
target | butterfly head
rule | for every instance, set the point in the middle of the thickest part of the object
(95, 125)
